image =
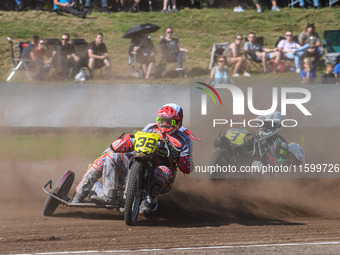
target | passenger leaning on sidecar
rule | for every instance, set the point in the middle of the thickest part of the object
(273, 147)
(115, 161)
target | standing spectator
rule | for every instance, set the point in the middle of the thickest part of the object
(134, 6)
(28, 53)
(337, 73)
(309, 36)
(219, 74)
(292, 50)
(328, 76)
(145, 50)
(68, 7)
(98, 56)
(66, 58)
(315, 3)
(307, 75)
(259, 9)
(120, 5)
(165, 6)
(236, 59)
(88, 6)
(261, 53)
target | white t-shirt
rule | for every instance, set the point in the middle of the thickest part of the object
(286, 46)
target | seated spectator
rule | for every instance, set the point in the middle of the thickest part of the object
(237, 6)
(41, 54)
(68, 7)
(309, 36)
(328, 76)
(259, 9)
(236, 59)
(18, 6)
(88, 6)
(337, 73)
(261, 53)
(292, 50)
(171, 50)
(64, 55)
(29, 53)
(98, 56)
(307, 75)
(219, 74)
(145, 49)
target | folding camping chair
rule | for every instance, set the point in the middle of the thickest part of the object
(217, 50)
(331, 43)
(170, 56)
(133, 62)
(19, 64)
(253, 62)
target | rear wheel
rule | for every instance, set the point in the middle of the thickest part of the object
(219, 158)
(60, 189)
(133, 194)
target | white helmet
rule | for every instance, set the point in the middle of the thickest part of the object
(297, 151)
(269, 125)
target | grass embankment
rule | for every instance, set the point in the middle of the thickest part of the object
(53, 144)
(197, 29)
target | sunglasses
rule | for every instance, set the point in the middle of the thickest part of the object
(169, 32)
(42, 43)
(221, 61)
(239, 39)
(64, 39)
(289, 35)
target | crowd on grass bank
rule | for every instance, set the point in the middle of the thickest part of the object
(302, 54)
(81, 8)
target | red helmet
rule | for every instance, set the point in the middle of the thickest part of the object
(169, 118)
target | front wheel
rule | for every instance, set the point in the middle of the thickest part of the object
(133, 194)
(60, 189)
(220, 158)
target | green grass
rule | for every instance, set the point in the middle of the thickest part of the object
(53, 145)
(197, 29)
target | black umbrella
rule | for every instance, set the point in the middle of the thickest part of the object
(142, 28)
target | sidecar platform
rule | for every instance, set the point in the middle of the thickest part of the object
(65, 200)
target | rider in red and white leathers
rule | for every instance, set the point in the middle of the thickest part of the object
(114, 162)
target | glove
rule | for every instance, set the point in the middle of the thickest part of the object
(174, 154)
(123, 144)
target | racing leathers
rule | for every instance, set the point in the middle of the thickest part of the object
(114, 163)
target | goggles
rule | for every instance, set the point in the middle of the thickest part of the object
(170, 122)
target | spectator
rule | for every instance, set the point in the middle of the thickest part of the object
(219, 74)
(65, 56)
(337, 73)
(236, 59)
(309, 36)
(259, 9)
(68, 7)
(120, 5)
(134, 6)
(98, 56)
(238, 7)
(42, 56)
(292, 50)
(171, 50)
(315, 3)
(88, 6)
(146, 52)
(261, 53)
(328, 76)
(165, 6)
(308, 75)
(19, 6)
(28, 53)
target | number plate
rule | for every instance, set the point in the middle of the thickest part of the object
(145, 143)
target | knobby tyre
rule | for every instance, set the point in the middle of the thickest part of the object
(221, 158)
(60, 189)
(133, 194)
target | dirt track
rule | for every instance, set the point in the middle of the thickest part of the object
(198, 214)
